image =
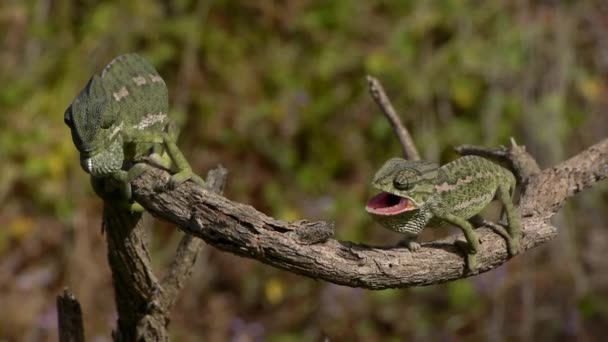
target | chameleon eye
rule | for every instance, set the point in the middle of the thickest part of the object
(401, 184)
(404, 180)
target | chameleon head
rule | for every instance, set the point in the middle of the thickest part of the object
(406, 186)
(91, 119)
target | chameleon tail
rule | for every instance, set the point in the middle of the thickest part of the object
(511, 186)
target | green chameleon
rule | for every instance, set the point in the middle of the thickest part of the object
(120, 118)
(417, 193)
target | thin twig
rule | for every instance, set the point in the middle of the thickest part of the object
(407, 144)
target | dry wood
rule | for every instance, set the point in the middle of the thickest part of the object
(69, 314)
(142, 301)
(242, 230)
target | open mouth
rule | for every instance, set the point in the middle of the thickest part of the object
(386, 203)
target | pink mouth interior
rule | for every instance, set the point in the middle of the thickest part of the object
(386, 203)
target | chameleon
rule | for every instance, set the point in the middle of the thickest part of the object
(119, 119)
(418, 193)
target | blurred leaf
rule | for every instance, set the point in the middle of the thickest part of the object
(461, 294)
(465, 92)
(20, 227)
(274, 291)
(591, 88)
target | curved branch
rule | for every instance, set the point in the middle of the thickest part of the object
(306, 247)
(556, 184)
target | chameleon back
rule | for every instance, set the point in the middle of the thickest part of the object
(468, 184)
(138, 91)
(140, 95)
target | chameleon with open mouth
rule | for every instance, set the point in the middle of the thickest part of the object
(415, 194)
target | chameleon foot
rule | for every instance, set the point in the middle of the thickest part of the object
(471, 260)
(135, 207)
(130, 206)
(179, 178)
(513, 246)
(512, 242)
(410, 244)
(469, 255)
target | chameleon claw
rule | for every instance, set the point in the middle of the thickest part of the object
(469, 255)
(413, 246)
(471, 260)
(179, 178)
(198, 180)
(410, 244)
(176, 180)
(513, 246)
(473, 244)
(135, 207)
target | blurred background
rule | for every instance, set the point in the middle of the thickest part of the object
(276, 92)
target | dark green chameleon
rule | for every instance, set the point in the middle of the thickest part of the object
(417, 193)
(119, 118)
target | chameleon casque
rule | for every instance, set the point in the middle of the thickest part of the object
(420, 193)
(117, 120)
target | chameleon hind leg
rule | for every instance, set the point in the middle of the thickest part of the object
(514, 223)
(479, 221)
(472, 245)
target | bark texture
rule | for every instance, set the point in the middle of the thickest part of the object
(70, 326)
(307, 248)
(142, 300)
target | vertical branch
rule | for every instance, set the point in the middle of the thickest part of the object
(407, 144)
(69, 317)
(188, 249)
(142, 301)
(139, 318)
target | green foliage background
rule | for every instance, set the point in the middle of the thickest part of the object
(275, 91)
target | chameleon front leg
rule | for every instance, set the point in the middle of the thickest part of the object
(410, 243)
(124, 179)
(184, 172)
(472, 246)
(514, 223)
(117, 189)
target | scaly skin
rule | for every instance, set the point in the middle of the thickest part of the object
(119, 118)
(418, 193)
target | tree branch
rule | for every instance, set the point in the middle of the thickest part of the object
(142, 301)
(407, 144)
(242, 230)
(139, 317)
(188, 249)
(69, 314)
